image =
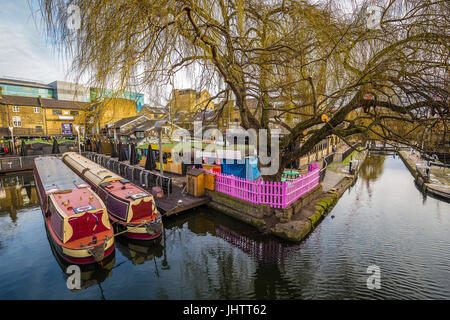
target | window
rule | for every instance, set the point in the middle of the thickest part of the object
(73, 113)
(16, 109)
(38, 128)
(36, 110)
(17, 121)
(57, 112)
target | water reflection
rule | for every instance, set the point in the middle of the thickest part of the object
(372, 167)
(262, 248)
(17, 192)
(137, 251)
(91, 275)
(204, 254)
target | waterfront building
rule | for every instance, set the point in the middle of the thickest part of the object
(154, 112)
(36, 109)
(185, 103)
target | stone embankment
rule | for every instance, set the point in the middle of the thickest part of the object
(438, 184)
(296, 221)
(313, 213)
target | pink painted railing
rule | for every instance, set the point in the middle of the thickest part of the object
(275, 194)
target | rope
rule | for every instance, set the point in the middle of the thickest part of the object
(121, 232)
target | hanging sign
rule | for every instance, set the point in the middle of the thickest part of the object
(67, 128)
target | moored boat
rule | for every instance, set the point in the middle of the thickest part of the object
(75, 217)
(132, 209)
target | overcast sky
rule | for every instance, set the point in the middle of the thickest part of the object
(25, 52)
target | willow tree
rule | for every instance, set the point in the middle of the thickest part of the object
(309, 61)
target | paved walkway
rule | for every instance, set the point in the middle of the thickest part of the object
(439, 177)
(331, 179)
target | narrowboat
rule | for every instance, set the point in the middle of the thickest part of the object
(75, 217)
(131, 209)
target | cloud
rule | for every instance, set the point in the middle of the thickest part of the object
(24, 51)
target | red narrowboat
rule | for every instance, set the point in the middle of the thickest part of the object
(130, 208)
(75, 217)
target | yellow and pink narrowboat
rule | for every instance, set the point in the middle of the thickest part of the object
(75, 217)
(131, 209)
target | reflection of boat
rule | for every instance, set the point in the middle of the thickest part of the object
(74, 215)
(91, 274)
(139, 251)
(131, 208)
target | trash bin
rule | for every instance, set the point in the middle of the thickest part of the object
(210, 180)
(195, 182)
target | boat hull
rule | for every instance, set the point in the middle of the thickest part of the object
(76, 256)
(148, 231)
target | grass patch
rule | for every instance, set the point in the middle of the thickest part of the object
(347, 160)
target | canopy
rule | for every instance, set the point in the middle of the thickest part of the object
(248, 170)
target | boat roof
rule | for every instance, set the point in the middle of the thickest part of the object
(55, 175)
(76, 201)
(96, 173)
(130, 193)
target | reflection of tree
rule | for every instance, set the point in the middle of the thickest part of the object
(269, 282)
(223, 270)
(372, 167)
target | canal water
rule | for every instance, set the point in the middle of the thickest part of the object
(382, 220)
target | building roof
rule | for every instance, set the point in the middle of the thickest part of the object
(145, 126)
(40, 102)
(25, 83)
(124, 121)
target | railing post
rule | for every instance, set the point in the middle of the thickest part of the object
(260, 182)
(283, 194)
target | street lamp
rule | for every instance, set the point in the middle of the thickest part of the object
(12, 139)
(158, 127)
(77, 127)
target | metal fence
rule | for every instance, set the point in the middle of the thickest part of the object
(140, 176)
